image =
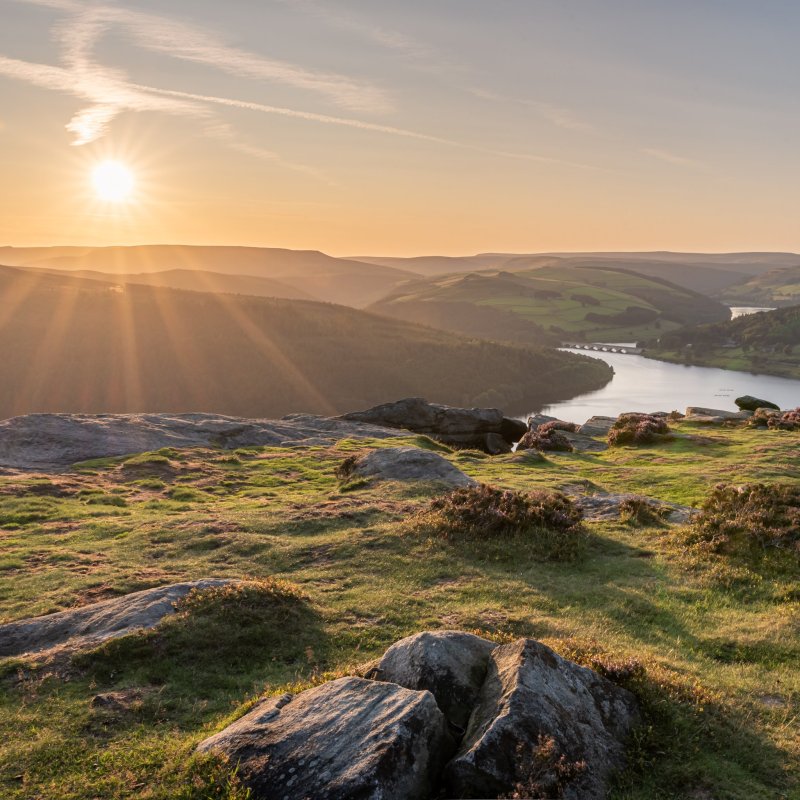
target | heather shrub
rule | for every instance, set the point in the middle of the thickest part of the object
(750, 520)
(637, 429)
(549, 520)
(640, 512)
(786, 421)
(548, 437)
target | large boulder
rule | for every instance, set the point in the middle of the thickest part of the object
(53, 441)
(88, 626)
(350, 738)
(406, 464)
(749, 403)
(597, 426)
(532, 696)
(449, 664)
(464, 427)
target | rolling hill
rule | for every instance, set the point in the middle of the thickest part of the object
(78, 345)
(778, 287)
(308, 272)
(767, 342)
(588, 304)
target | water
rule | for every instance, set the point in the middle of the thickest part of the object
(743, 311)
(644, 384)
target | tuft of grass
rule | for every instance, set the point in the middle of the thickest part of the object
(640, 513)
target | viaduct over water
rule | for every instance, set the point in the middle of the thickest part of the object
(604, 347)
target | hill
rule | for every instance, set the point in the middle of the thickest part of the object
(767, 342)
(704, 637)
(778, 287)
(309, 272)
(588, 304)
(72, 344)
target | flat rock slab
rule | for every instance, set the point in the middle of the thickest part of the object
(531, 692)
(409, 464)
(56, 441)
(88, 626)
(606, 507)
(449, 664)
(582, 443)
(713, 415)
(350, 738)
(597, 426)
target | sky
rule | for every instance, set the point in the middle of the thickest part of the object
(369, 127)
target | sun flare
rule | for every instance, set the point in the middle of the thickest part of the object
(113, 182)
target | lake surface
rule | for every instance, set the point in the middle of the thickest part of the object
(644, 384)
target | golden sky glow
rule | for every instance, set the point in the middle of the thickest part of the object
(453, 127)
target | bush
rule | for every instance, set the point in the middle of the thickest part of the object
(484, 512)
(547, 437)
(640, 512)
(637, 429)
(748, 520)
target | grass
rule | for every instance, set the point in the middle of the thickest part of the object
(708, 642)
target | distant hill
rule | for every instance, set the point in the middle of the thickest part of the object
(778, 287)
(310, 272)
(588, 304)
(78, 345)
(198, 280)
(766, 342)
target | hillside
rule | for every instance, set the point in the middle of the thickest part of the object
(776, 288)
(767, 342)
(588, 304)
(72, 344)
(705, 638)
(308, 272)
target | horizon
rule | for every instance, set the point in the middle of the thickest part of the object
(336, 126)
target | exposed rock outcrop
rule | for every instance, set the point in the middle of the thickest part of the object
(530, 692)
(607, 507)
(449, 664)
(597, 426)
(406, 464)
(749, 403)
(53, 441)
(714, 416)
(350, 738)
(88, 626)
(463, 427)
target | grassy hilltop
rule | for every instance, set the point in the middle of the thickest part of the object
(711, 641)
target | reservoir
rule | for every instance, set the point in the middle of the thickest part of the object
(644, 384)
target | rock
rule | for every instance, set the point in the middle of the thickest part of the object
(537, 420)
(349, 738)
(449, 664)
(464, 427)
(606, 507)
(699, 414)
(53, 441)
(495, 444)
(530, 692)
(88, 626)
(581, 443)
(408, 464)
(749, 403)
(597, 426)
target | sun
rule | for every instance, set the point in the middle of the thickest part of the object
(113, 182)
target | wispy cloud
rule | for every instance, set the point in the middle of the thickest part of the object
(347, 21)
(556, 115)
(109, 92)
(670, 158)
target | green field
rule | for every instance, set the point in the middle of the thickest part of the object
(590, 304)
(718, 639)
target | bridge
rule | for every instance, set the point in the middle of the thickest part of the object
(604, 347)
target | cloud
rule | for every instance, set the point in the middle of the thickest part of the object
(670, 158)
(561, 117)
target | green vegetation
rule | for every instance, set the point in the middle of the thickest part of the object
(708, 640)
(766, 342)
(135, 348)
(584, 303)
(779, 287)
(637, 429)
